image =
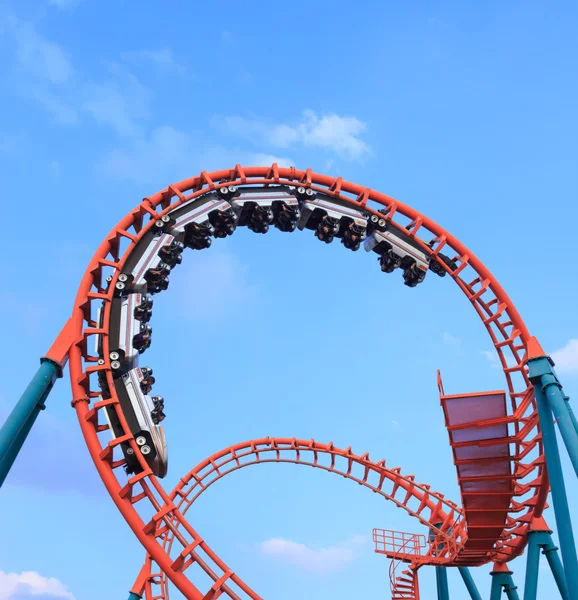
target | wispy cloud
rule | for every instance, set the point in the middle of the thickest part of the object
(339, 134)
(30, 584)
(321, 561)
(121, 103)
(162, 58)
(62, 112)
(164, 153)
(566, 358)
(451, 340)
(38, 55)
(259, 159)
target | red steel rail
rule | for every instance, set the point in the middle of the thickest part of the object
(434, 511)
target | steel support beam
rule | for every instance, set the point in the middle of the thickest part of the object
(442, 583)
(532, 565)
(20, 421)
(540, 367)
(559, 405)
(469, 581)
(551, 553)
(502, 579)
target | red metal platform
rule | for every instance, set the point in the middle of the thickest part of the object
(477, 425)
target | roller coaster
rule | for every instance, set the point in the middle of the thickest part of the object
(504, 442)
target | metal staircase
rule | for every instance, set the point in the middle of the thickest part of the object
(403, 549)
(404, 586)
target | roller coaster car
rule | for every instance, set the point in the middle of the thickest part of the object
(437, 268)
(253, 209)
(259, 207)
(331, 218)
(224, 222)
(157, 414)
(286, 214)
(129, 335)
(145, 270)
(398, 250)
(138, 409)
(171, 254)
(197, 220)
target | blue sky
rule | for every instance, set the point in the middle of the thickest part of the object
(465, 111)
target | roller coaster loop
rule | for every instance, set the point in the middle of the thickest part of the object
(507, 458)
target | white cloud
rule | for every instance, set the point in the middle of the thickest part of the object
(164, 154)
(29, 584)
(451, 340)
(566, 358)
(120, 103)
(43, 58)
(323, 560)
(162, 58)
(331, 132)
(260, 159)
(171, 154)
(62, 112)
(394, 422)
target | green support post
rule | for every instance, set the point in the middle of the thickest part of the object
(511, 590)
(559, 405)
(496, 591)
(551, 553)
(133, 596)
(571, 413)
(502, 579)
(20, 421)
(540, 368)
(532, 564)
(469, 581)
(442, 583)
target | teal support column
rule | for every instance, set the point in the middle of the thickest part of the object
(510, 589)
(13, 451)
(20, 421)
(551, 553)
(559, 406)
(469, 581)
(442, 583)
(539, 367)
(571, 413)
(496, 591)
(542, 375)
(133, 596)
(532, 564)
(503, 579)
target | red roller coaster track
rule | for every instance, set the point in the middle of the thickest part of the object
(143, 502)
(433, 510)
